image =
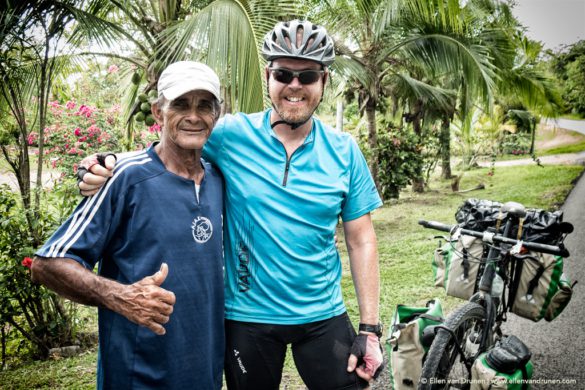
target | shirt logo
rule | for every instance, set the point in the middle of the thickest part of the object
(202, 229)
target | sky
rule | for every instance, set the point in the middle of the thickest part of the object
(553, 22)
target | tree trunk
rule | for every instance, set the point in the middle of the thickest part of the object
(373, 141)
(418, 183)
(339, 114)
(532, 136)
(3, 340)
(445, 147)
(227, 101)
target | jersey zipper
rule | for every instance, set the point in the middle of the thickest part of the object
(286, 169)
(288, 160)
(287, 166)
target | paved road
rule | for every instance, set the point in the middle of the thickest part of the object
(567, 124)
(558, 347)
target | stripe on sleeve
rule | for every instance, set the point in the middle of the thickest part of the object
(86, 214)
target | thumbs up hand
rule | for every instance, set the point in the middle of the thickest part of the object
(146, 303)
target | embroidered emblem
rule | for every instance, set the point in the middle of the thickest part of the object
(202, 229)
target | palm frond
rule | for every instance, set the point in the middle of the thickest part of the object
(407, 86)
(226, 35)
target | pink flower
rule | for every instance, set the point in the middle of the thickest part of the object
(113, 69)
(77, 132)
(32, 137)
(83, 139)
(70, 105)
(85, 111)
(154, 128)
(27, 262)
(72, 151)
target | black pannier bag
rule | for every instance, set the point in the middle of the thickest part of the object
(540, 226)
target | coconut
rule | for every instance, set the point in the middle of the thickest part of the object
(149, 120)
(145, 107)
(136, 77)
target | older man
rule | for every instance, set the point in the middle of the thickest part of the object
(289, 178)
(155, 229)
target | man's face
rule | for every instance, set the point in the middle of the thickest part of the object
(295, 102)
(188, 120)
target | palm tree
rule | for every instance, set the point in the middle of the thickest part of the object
(401, 46)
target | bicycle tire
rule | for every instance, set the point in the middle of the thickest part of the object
(444, 367)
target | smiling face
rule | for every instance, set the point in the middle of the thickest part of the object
(295, 102)
(188, 120)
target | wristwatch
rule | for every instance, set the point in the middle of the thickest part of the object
(376, 329)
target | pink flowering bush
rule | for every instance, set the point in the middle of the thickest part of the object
(76, 130)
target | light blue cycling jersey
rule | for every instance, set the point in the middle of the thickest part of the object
(282, 266)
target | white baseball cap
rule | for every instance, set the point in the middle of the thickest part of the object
(185, 76)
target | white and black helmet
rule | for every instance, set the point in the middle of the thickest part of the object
(315, 45)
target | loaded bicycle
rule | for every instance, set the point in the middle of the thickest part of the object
(500, 267)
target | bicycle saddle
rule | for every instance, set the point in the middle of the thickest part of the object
(515, 209)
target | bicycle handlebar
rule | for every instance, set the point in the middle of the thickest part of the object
(498, 238)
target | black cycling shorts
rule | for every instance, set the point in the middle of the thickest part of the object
(255, 354)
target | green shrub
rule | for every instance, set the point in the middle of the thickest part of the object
(33, 319)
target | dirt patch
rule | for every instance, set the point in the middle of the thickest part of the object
(550, 137)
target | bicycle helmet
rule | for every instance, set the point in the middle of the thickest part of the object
(315, 44)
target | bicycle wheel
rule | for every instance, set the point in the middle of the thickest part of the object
(449, 360)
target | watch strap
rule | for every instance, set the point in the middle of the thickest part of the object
(376, 329)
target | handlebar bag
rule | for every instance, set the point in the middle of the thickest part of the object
(539, 287)
(545, 227)
(506, 366)
(405, 346)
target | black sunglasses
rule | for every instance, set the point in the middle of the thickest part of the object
(286, 76)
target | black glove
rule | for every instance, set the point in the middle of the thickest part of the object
(368, 350)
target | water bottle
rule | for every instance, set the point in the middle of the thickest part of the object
(497, 288)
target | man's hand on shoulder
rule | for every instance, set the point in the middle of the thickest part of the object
(94, 171)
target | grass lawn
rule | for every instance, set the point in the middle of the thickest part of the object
(405, 252)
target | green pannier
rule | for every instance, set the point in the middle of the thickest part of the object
(539, 288)
(406, 350)
(456, 264)
(505, 367)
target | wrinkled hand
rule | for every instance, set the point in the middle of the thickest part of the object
(146, 303)
(366, 347)
(97, 173)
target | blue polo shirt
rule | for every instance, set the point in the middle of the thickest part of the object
(144, 216)
(282, 266)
